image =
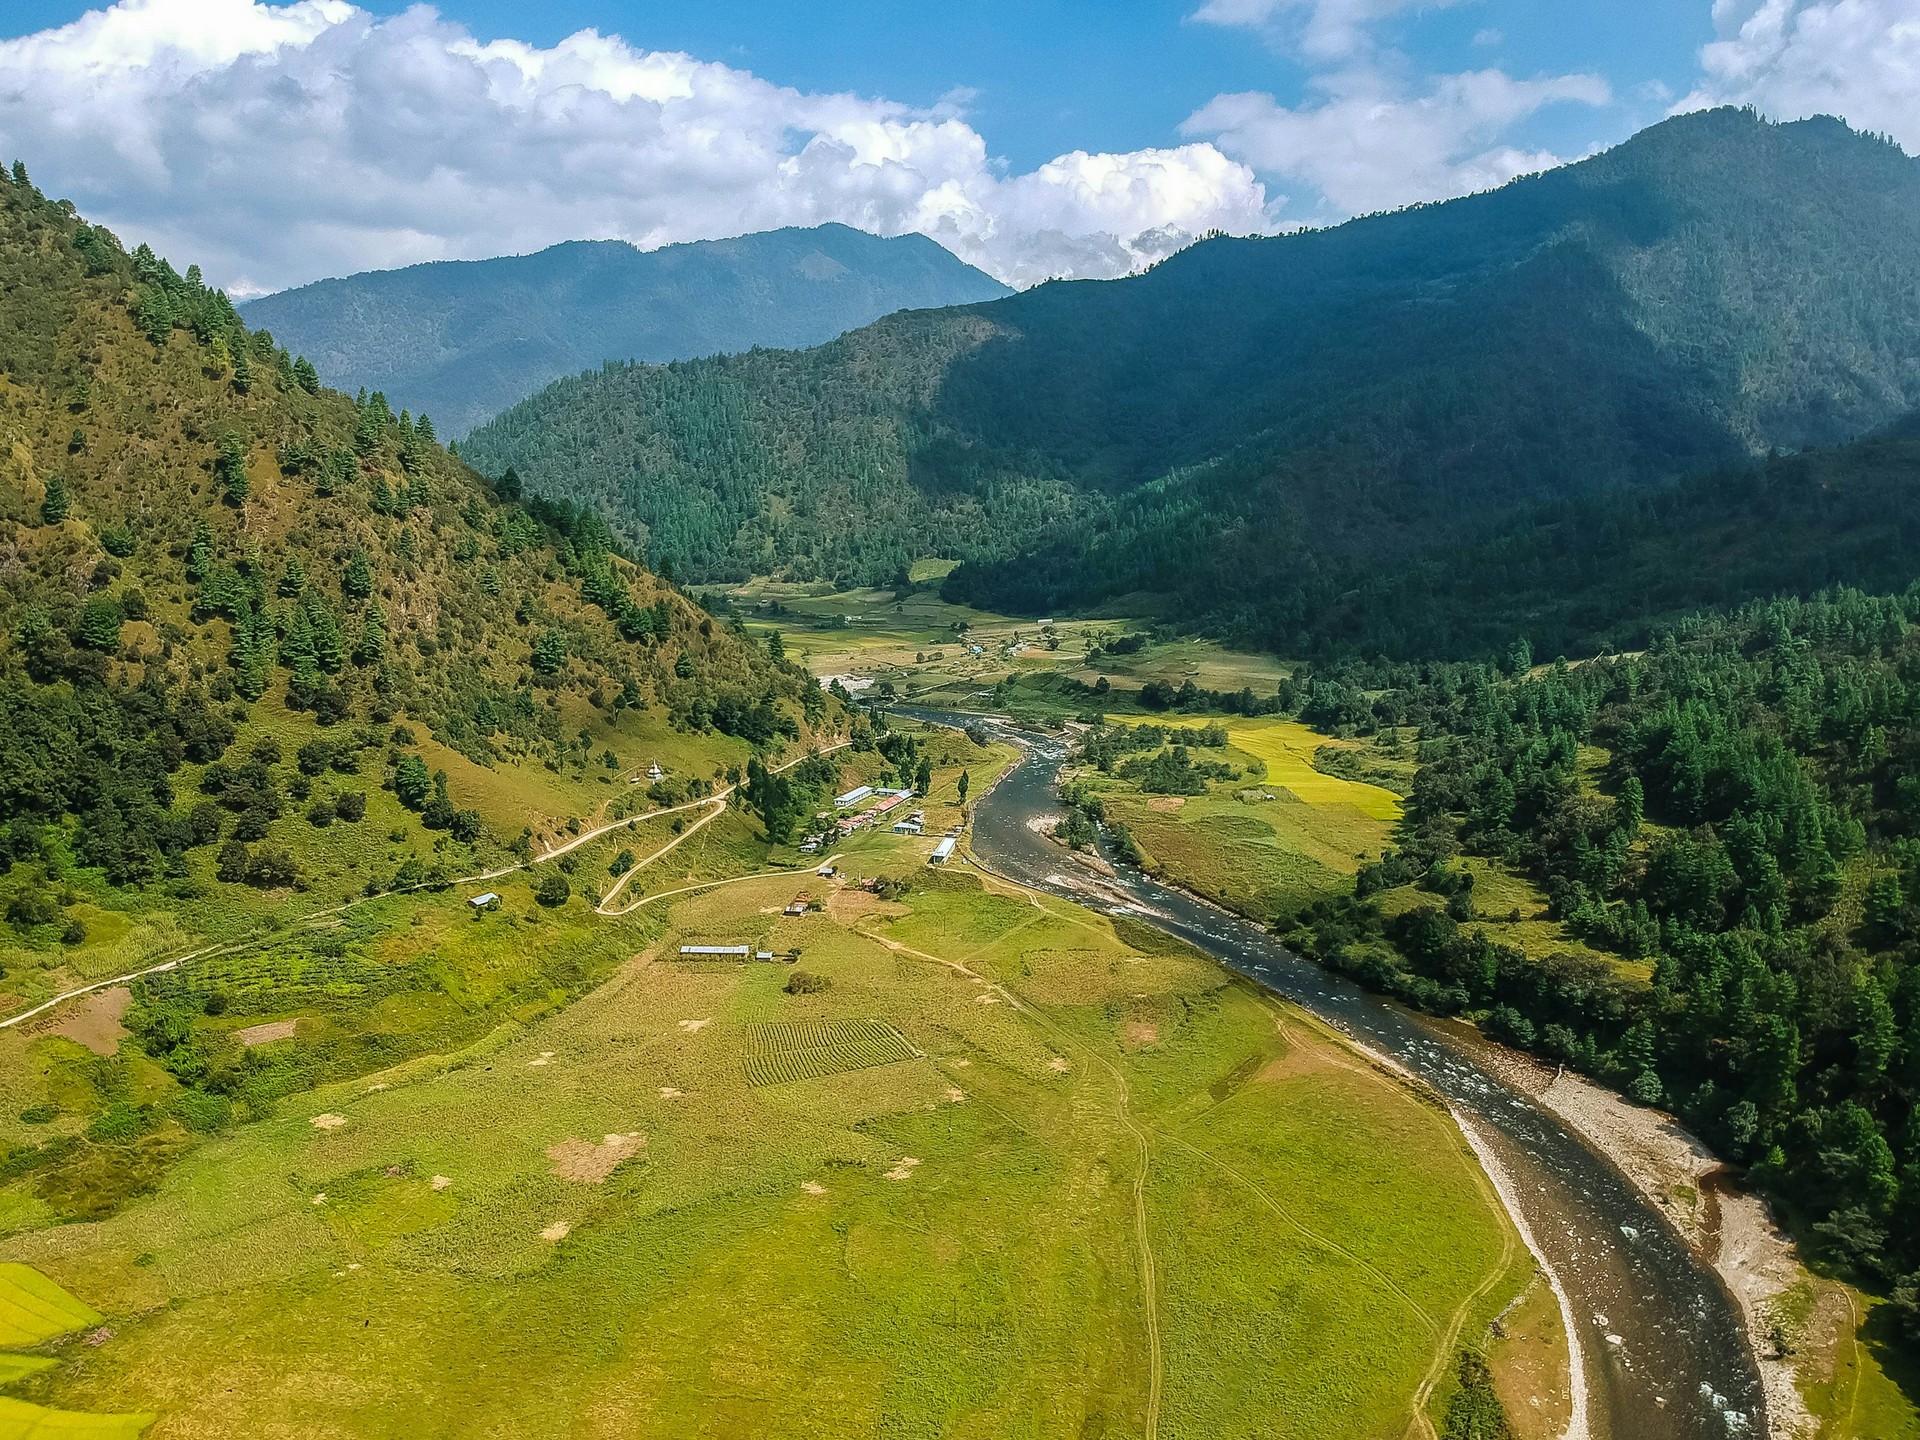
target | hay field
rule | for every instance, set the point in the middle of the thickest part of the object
(1105, 1164)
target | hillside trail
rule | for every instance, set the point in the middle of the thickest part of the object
(586, 837)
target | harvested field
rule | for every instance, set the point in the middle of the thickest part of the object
(780, 1053)
(95, 1021)
(585, 1163)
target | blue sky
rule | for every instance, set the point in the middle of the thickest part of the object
(1054, 76)
(277, 141)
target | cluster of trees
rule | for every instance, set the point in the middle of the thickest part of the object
(785, 800)
(1739, 807)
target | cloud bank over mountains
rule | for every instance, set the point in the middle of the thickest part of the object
(279, 143)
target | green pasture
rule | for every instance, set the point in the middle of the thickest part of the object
(947, 1239)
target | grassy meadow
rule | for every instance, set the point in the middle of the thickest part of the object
(1281, 836)
(1009, 1172)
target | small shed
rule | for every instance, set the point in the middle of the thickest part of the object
(942, 852)
(484, 902)
(852, 797)
(717, 952)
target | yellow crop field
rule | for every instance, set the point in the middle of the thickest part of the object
(1287, 747)
(33, 1308)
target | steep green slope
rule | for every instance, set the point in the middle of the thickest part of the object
(464, 340)
(1606, 571)
(1257, 423)
(242, 612)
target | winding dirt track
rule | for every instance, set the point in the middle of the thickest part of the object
(717, 800)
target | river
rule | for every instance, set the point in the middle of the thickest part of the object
(1665, 1356)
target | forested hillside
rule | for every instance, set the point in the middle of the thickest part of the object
(198, 542)
(1256, 425)
(1736, 814)
(1605, 572)
(463, 340)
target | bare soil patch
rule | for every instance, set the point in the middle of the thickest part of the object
(266, 1034)
(585, 1163)
(847, 905)
(558, 1230)
(1138, 1034)
(903, 1168)
(95, 1021)
(1167, 803)
(328, 1122)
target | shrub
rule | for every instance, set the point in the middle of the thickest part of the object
(805, 982)
(553, 891)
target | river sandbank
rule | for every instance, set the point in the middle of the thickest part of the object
(1794, 1320)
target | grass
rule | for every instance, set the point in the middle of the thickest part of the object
(1284, 835)
(947, 1241)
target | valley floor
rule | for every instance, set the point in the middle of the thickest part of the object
(1010, 1170)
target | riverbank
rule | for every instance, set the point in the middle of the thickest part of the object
(1795, 1321)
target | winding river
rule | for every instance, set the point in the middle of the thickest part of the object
(1663, 1349)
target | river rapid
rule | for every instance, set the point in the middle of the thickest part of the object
(1660, 1340)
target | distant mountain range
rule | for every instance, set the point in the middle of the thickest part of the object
(462, 340)
(1260, 431)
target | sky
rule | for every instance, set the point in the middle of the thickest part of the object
(275, 144)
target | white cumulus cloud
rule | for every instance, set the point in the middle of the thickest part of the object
(277, 143)
(1375, 131)
(1859, 59)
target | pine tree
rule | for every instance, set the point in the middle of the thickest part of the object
(357, 580)
(329, 651)
(53, 509)
(230, 469)
(297, 642)
(371, 647)
(549, 652)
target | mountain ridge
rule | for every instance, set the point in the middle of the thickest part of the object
(464, 339)
(1312, 405)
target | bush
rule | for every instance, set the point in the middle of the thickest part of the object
(351, 806)
(805, 982)
(39, 1114)
(553, 891)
